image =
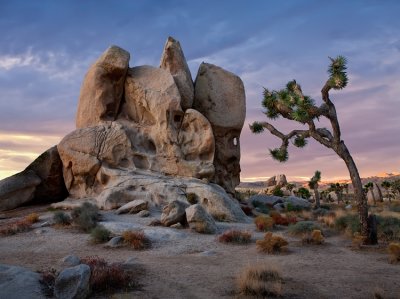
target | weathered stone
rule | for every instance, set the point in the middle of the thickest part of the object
(277, 180)
(297, 202)
(133, 207)
(173, 60)
(18, 189)
(144, 213)
(73, 283)
(199, 220)
(48, 167)
(17, 282)
(71, 261)
(115, 242)
(173, 213)
(220, 97)
(102, 88)
(266, 200)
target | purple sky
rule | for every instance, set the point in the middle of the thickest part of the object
(47, 46)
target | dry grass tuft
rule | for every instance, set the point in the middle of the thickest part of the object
(264, 223)
(379, 293)
(136, 239)
(260, 281)
(315, 237)
(271, 243)
(15, 227)
(235, 236)
(357, 241)
(32, 218)
(394, 252)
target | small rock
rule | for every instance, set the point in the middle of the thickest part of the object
(199, 220)
(73, 283)
(131, 261)
(348, 207)
(177, 226)
(40, 231)
(173, 213)
(207, 253)
(71, 261)
(115, 242)
(133, 207)
(144, 213)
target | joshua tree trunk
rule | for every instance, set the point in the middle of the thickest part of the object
(317, 201)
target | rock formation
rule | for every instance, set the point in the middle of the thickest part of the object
(148, 133)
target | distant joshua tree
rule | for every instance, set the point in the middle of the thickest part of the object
(292, 104)
(370, 187)
(338, 189)
(313, 184)
(386, 185)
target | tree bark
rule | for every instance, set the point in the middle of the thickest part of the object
(317, 201)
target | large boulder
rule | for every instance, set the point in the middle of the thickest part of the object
(297, 202)
(173, 213)
(277, 180)
(265, 200)
(102, 88)
(18, 189)
(73, 283)
(199, 220)
(173, 60)
(219, 96)
(17, 283)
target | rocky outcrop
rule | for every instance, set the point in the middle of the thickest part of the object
(219, 96)
(102, 88)
(173, 213)
(17, 282)
(173, 60)
(277, 180)
(73, 283)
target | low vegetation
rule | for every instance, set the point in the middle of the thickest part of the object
(303, 227)
(260, 281)
(271, 243)
(264, 223)
(19, 226)
(136, 239)
(315, 237)
(85, 217)
(61, 218)
(282, 220)
(32, 218)
(235, 236)
(100, 234)
(394, 252)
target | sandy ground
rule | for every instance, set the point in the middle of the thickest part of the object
(190, 265)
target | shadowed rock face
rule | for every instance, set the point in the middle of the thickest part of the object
(140, 135)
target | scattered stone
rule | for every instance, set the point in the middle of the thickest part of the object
(73, 283)
(173, 213)
(70, 261)
(133, 207)
(199, 220)
(144, 213)
(115, 242)
(17, 282)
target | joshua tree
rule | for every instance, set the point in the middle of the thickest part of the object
(386, 185)
(338, 189)
(370, 187)
(313, 184)
(292, 104)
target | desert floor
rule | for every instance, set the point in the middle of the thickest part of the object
(185, 264)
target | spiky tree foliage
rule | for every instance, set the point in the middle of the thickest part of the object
(313, 184)
(290, 103)
(338, 189)
(386, 185)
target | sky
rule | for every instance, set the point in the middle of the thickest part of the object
(47, 46)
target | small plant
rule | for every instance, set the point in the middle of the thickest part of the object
(292, 208)
(271, 243)
(85, 216)
(260, 206)
(394, 252)
(264, 223)
(136, 239)
(47, 280)
(32, 218)
(388, 228)
(315, 237)
(235, 236)
(303, 227)
(281, 220)
(357, 241)
(15, 227)
(100, 234)
(61, 218)
(192, 198)
(277, 191)
(105, 277)
(260, 281)
(348, 223)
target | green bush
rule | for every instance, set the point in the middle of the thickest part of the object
(291, 208)
(100, 234)
(388, 228)
(277, 191)
(61, 218)
(303, 193)
(350, 223)
(303, 227)
(85, 216)
(261, 207)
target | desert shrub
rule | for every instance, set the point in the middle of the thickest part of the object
(61, 218)
(47, 280)
(277, 191)
(394, 208)
(260, 281)
(388, 228)
(315, 237)
(263, 223)
(15, 227)
(303, 227)
(32, 218)
(136, 239)
(105, 277)
(260, 207)
(349, 223)
(192, 198)
(85, 216)
(357, 241)
(394, 252)
(303, 193)
(328, 219)
(292, 208)
(271, 243)
(235, 236)
(281, 220)
(100, 234)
